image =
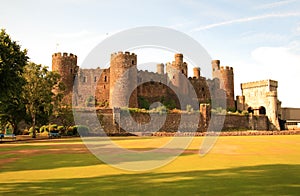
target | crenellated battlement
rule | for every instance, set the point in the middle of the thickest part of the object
(59, 55)
(226, 68)
(125, 54)
(260, 83)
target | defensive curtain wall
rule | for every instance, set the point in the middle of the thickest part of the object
(100, 84)
(138, 123)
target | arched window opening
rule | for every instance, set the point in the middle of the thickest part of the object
(262, 110)
(250, 110)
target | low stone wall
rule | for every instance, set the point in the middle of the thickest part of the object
(246, 122)
(173, 122)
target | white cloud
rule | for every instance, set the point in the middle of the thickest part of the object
(281, 64)
(275, 4)
(247, 19)
(255, 37)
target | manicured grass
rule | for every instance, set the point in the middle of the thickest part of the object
(261, 165)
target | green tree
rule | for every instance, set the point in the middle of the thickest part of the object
(39, 93)
(64, 114)
(12, 63)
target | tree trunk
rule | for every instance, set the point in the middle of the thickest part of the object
(33, 126)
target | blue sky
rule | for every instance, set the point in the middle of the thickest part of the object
(260, 39)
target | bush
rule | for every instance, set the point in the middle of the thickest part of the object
(90, 101)
(143, 103)
(189, 108)
(31, 130)
(82, 130)
(218, 110)
(73, 131)
(26, 132)
(70, 131)
(246, 113)
(53, 128)
(161, 110)
(61, 130)
(44, 128)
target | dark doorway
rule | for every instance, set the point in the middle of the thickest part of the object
(262, 110)
(250, 110)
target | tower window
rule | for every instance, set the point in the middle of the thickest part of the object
(132, 62)
(105, 78)
(71, 70)
(95, 79)
(84, 79)
(182, 71)
(103, 86)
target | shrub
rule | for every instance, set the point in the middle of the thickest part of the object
(44, 128)
(53, 128)
(70, 131)
(177, 111)
(31, 130)
(218, 110)
(246, 113)
(82, 130)
(26, 132)
(61, 130)
(232, 109)
(90, 101)
(143, 103)
(75, 130)
(189, 108)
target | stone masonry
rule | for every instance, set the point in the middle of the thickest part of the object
(122, 85)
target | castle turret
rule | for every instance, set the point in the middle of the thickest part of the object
(123, 80)
(226, 78)
(178, 64)
(272, 111)
(196, 71)
(215, 66)
(66, 65)
(177, 71)
(160, 68)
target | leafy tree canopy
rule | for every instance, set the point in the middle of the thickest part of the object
(12, 63)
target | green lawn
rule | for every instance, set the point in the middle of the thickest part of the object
(261, 165)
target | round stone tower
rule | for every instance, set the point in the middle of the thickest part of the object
(160, 68)
(196, 71)
(226, 78)
(66, 65)
(123, 80)
(215, 67)
(272, 110)
(177, 74)
(179, 64)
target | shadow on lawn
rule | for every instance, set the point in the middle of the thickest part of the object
(256, 180)
(73, 159)
(51, 161)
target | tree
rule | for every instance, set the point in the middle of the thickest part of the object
(12, 63)
(64, 114)
(38, 93)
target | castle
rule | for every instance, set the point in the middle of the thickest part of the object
(123, 85)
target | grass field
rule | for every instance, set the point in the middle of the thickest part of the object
(247, 165)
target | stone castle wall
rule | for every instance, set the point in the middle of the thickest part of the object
(139, 122)
(101, 83)
(66, 65)
(225, 76)
(261, 95)
(123, 80)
